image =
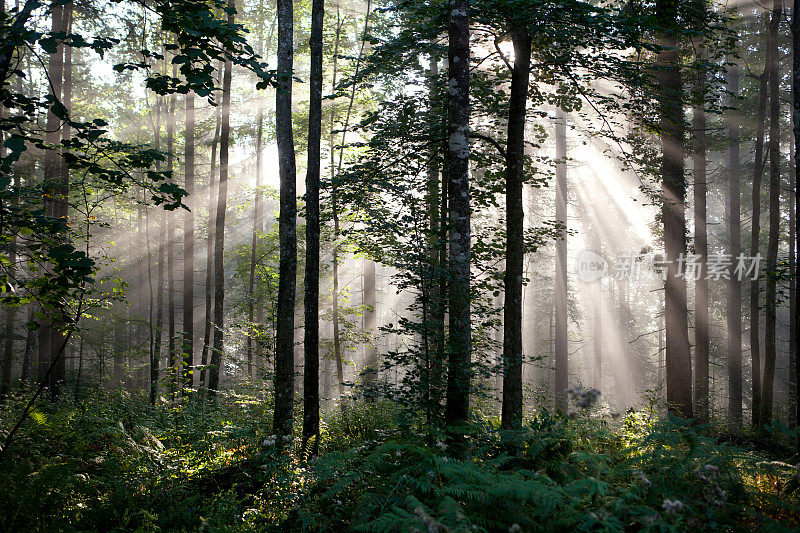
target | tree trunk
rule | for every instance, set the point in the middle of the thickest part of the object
(311, 301)
(371, 350)
(460, 341)
(284, 354)
(770, 300)
(8, 345)
(734, 314)
(561, 320)
(219, 228)
(171, 353)
(155, 355)
(435, 303)
(755, 234)
(52, 192)
(188, 247)
(212, 216)
(678, 356)
(701, 316)
(796, 131)
(337, 353)
(515, 236)
(30, 348)
(597, 295)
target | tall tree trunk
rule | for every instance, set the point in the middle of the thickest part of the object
(678, 356)
(770, 299)
(171, 352)
(792, 291)
(597, 294)
(188, 247)
(734, 314)
(311, 301)
(61, 203)
(155, 352)
(561, 342)
(219, 227)
(755, 234)
(796, 131)
(515, 236)
(212, 217)
(460, 341)
(436, 303)
(370, 348)
(337, 352)
(8, 345)
(257, 229)
(53, 193)
(284, 354)
(701, 316)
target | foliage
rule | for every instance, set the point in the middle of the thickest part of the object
(112, 461)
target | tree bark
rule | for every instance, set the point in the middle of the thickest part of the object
(212, 217)
(515, 236)
(284, 353)
(796, 131)
(171, 352)
(337, 353)
(755, 234)
(597, 294)
(370, 348)
(770, 297)
(734, 314)
(311, 301)
(701, 316)
(458, 111)
(678, 356)
(215, 369)
(52, 193)
(188, 247)
(561, 320)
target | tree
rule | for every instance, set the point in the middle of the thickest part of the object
(734, 315)
(515, 239)
(678, 357)
(337, 348)
(460, 340)
(212, 217)
(755, 234)
(187, 348)
(219, 226)
(371, 350)
(171, 353)
(55, 200)
(795, 25)
(561, 342)
(770, 296)
(311, 302)
(701, 315)
(284, 349)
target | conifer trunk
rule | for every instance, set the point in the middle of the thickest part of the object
(284, 353)
(678, 356)
(770, 297)
(701, 315)
(215, 365)
(458, 111)
(515, 239)
(188, 247)
(734, 314)
(311, 301)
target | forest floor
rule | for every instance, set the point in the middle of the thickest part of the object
(111, 462)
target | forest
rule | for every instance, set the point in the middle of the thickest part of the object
(413, 265)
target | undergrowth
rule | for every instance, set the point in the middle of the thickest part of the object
(113, 463)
